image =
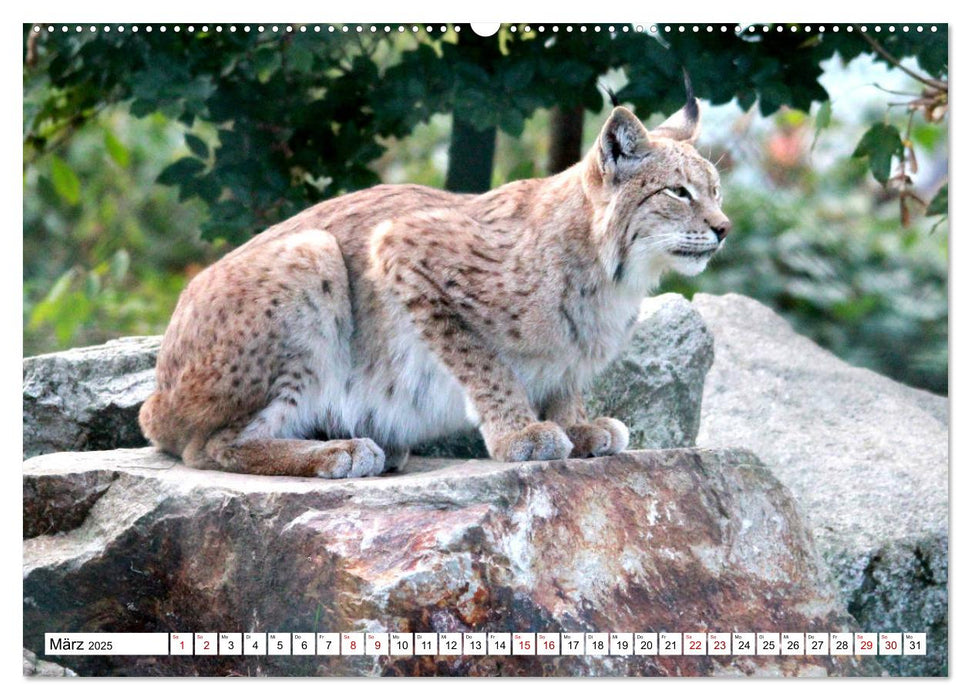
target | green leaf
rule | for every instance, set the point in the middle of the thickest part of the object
(267, 61)
(824, 115)
(92, 284)
(746, 98)
(197, 146)
(142, 107)
(46, 310)
(772, 96)
(116, 149)
(938, 205)
(119, 265)
(512, 122)
(74, 311)
(300, 59)
(181, 171)
(66, 183)
(61, 286)
(518, 75)
(880, 144)
(205, 188)
(928, 136)
(572, 72)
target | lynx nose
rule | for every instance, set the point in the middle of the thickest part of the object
(721, 228)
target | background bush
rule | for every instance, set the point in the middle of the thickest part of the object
(145, 158)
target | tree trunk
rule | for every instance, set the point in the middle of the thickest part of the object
(566, 137)
(472, 150)
(470, 157)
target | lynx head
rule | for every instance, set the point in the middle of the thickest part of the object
(660, 200)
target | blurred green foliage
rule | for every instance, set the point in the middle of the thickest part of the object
(106, 251)
(824, 246)
(842, 274)
(244, 129)
(299, 116)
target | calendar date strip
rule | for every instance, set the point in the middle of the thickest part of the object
(485, 644)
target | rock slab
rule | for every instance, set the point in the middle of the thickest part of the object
(37, 667)
(675, 540)
(88, 398)
(866, 459)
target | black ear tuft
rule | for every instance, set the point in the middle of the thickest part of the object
(611, 95)
(692, 112)
(685, 124)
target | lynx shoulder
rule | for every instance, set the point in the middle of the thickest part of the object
(332, 342)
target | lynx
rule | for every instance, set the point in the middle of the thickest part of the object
(331, 343)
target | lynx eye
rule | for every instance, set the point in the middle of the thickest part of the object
(681, 193)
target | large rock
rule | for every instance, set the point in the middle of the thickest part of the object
(656, 384)
(88, 398)
(865, 457)
(679, 540)
(36, 667)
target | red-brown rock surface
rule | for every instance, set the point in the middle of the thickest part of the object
(678, 540)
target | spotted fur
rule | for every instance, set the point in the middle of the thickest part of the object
(332, 342)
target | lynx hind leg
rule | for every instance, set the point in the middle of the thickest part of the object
(309, 326)
(261, 345)
(268, 442)
(229, 450)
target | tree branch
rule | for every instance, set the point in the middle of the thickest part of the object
(930, 82)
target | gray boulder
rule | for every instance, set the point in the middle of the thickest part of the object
(865, 457)
(655, 386)
(673, 540)
(88, 398)
(37, 667)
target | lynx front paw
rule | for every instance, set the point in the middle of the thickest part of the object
(604, 436)
(337, 459)
(538, 441)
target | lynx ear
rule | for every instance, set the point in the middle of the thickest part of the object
(623, 142)
(685, 124)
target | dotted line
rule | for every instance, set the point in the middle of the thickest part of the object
(430, 29)
(232, 28)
